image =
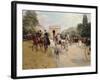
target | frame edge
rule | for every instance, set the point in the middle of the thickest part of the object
(13, 40)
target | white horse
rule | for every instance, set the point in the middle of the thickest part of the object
(56, 48)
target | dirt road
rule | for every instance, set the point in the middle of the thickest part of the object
(74, 57)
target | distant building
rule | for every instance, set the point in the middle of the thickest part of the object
(56, 29)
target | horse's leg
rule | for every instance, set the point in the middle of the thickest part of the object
(39, 46)
(36, 46)
(45, 49)
(42, 46)
(32, 47)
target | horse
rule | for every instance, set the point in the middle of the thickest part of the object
(46, 43)
(40, 41)
(37, 41)
(59, 40)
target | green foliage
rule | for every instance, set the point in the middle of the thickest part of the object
(29, 21)
(85, 20)
(72, 31)
(63, 35)
(84, 29)
(79, 28)
(25, 31)
(73, 34)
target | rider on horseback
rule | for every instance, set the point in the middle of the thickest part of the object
(46, 40)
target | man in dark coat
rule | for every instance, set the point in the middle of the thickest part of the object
(46, 41)
(46, 36)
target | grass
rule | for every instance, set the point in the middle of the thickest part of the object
(36, 59)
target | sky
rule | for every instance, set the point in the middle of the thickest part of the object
(62, 19)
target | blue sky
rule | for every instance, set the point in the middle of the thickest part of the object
(64, 20)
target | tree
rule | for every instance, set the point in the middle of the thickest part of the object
(84, 29)
(72, 32)
(29, 21)
(88, 30)
(79, 28)
(85, 20)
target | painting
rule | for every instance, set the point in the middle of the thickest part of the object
(53, 39)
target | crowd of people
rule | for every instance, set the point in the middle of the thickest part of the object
(58, 45)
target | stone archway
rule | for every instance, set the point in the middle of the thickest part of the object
(53, 31)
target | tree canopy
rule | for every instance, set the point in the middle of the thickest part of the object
(29, 21)
(84, 28)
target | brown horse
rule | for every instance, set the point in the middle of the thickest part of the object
(40, 42)
(36, 42)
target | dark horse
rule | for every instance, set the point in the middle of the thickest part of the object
(39, 41)
(46, 43)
